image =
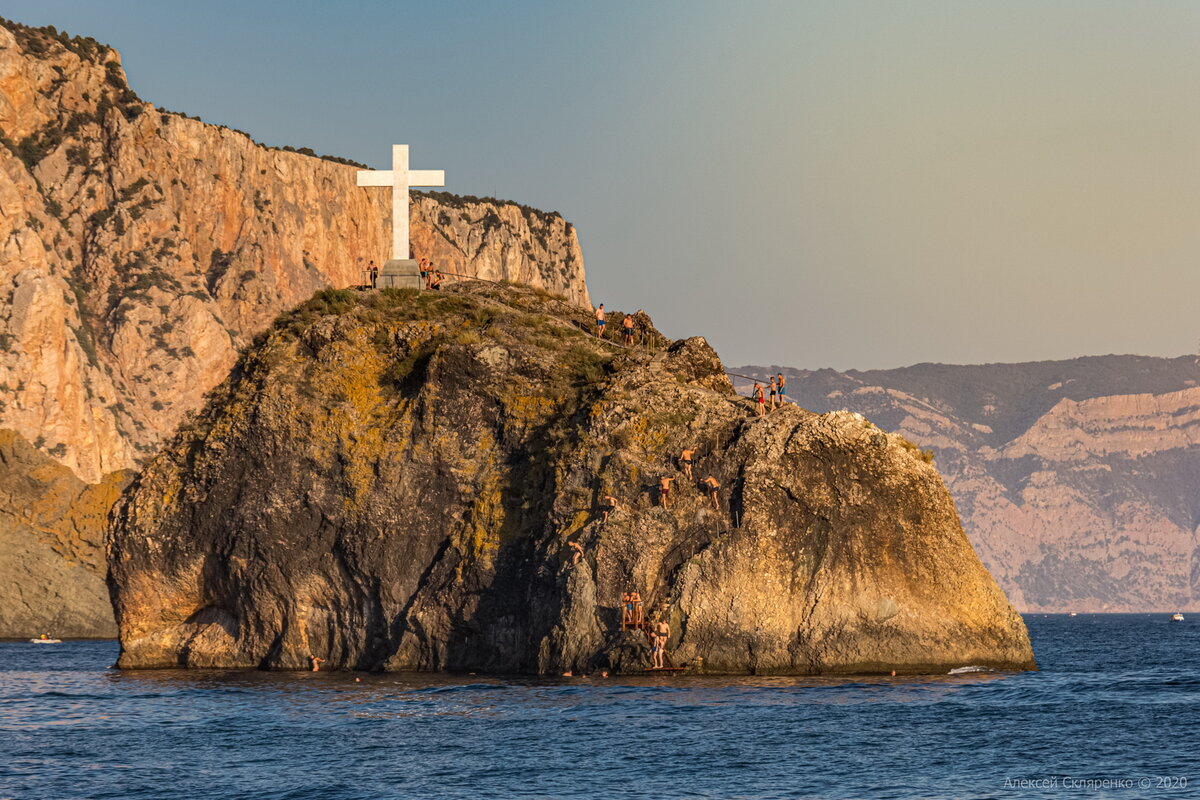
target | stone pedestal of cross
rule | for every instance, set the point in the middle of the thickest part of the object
(400, 271)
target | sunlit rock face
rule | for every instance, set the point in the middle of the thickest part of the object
(391, 481)
(1076, 480)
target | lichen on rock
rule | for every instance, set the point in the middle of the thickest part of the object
(390, 481)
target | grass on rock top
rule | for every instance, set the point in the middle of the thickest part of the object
(350, 369)
(472, 314)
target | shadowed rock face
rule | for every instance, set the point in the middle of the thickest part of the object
(51, 540)
(390, 482)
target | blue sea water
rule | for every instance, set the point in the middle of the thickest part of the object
(1116, 701)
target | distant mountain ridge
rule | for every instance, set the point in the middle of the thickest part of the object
(1078, 481)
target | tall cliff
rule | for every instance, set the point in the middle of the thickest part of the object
(1076, 479)
(139, 250)
(395, 481)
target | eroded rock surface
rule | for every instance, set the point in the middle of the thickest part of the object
(51, 546)
(390, 482)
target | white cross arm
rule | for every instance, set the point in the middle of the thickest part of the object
(416, 177)
(376, 177)
(426, 177)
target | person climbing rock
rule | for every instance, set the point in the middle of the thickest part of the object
(779, 379)
(600, 321)
(662, 632)
(608, 504)
(760, 398)
(685, 461)
(576, 554)
(626, 611)
(774, 391)
(627, 329)
(316, 663)
(664, 491)
(712, 486)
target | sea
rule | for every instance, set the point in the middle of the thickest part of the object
(1114, 712)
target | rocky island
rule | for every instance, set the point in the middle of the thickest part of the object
(392, 480)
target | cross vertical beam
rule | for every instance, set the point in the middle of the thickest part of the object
(401, 179)
(400, 201)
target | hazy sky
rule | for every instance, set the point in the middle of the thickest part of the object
(806, 183)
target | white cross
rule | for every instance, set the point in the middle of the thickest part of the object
(400, 178)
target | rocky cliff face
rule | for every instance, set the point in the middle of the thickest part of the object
(51, 538)
(392, 481)
(140, 249)
(1076, 479)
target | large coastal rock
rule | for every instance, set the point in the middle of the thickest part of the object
(391, 481)
(1076, 479)
(51, 546)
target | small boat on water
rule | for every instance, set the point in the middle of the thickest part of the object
(46, 641)
(1177, 617)
(1072, 613)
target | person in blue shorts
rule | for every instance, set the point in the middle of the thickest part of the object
(782, 382)
(600, 321)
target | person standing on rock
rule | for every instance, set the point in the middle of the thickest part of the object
(608, 504)
(627, 326)
(600, 321)
(373, 274)
(779, 379)
(316, 663)
(760, 398)
(662, 632)
(636, 600)
(685, 461)
(712, 486)
(774, 392)
(664, 491)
